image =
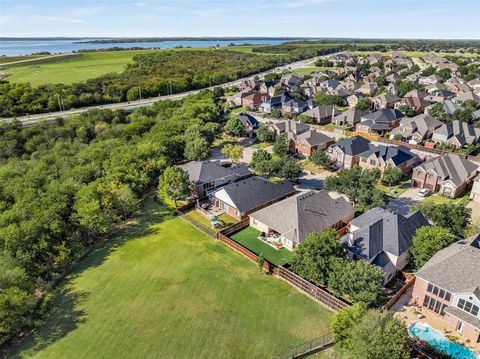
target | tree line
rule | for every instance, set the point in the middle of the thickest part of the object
(63, 187)
(149, 75)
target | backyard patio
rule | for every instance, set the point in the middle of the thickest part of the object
(249, 238)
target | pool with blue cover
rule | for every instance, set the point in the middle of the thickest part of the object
(439, 342)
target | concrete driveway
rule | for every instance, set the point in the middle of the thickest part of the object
(475, 206)
(407, 200)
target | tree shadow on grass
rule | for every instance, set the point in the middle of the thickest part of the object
(64, 315)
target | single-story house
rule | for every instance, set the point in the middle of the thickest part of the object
(243, 197)
(207, 176)
(449, 174)
(448, 285)
(383, 238)
(296, 217)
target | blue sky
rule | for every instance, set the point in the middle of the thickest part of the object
(309, 18)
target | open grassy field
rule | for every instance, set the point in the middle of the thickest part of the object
(71, 69)
(159, 288)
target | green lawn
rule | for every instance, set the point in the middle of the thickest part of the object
(248, 237)
(396, 190)
(72, 69)
(160, 288)
(197, 216)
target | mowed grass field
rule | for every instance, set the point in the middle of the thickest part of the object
(67, 70)
(159, 288)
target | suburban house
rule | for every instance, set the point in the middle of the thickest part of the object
(207, 176)
(243, 197)
(368, 89)
(456, 133)
(475, 193)
(416, 129)
(449, 174)
(292, 81)
(466, 96)
(236, 99)
(309, 141)
(322, 114)
(268, 87)
(416, 100)
(274, 102)
(385, 100)
(382, 157)
(250, 124)
(449, 285)
(380, 121)
(289, 128)
(254, 100)
(296, 217)
(352, 100)
(348, 118)
(346, 153)
(294, 106)
(383, 238)
(428, 80)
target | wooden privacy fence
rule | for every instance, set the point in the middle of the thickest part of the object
(312, 346)
(267, 266)
(396, 297)
(316, 293)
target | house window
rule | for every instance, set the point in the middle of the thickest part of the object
(373, 162)
(208, 185)
(439, 292)
(467, 306)
(364, 160)
(433, 304)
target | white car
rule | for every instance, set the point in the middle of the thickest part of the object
(424, 192)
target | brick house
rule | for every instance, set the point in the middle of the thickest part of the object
(449, 174)
(254, 100)
(346, 153)
(307, 142)
(449, 286)
(382, 157)
(380, 121)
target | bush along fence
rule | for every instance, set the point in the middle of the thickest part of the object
(409, 281)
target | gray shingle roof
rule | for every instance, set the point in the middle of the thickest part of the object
(353, 146)
(314, 138)
(464, 132)
(298, 216)
(351, 116)
(253, 192)
(398, 155)
(383, 115)
(451, 167)
(382, 230)
(249, 119)
(207, 171)
(455, 268)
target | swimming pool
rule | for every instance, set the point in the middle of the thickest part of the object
(439, 342)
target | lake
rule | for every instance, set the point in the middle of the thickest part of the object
(26, 47)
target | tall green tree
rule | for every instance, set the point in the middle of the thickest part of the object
(343, 322)
(427, 241)
(378, 336)
(234, 127)
(321, 159)
(280, 147)
(455, 217)
(174, 184)
(312, 259)
(392, 175)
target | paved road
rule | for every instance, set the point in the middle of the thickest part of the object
(31, 119)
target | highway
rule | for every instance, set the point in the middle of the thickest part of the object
(51, 116)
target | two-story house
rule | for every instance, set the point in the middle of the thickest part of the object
(382, 157)
(449, 286)
(346, 153)
(449, 174)
(383, 238)
(380, 121)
